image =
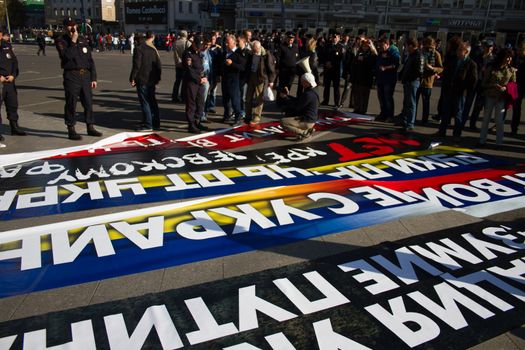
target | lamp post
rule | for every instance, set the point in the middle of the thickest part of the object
(7, 17)
(487, 17)
(282, 14)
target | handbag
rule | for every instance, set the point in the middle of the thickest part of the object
(268, 95)
(511, 94)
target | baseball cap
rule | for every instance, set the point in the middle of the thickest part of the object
(309, 78)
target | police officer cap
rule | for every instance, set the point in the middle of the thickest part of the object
(69, 22)
(488, 43)
(290, 35)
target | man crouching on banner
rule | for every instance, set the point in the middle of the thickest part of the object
(301, 113)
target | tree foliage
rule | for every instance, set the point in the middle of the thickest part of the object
(17, 13)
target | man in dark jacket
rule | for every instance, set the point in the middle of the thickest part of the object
(333, 65)
(80, 77)
(362, 75)
(260, 72)
(301, 113)
(145, 75)
(459, 78)
(287, 57)
(410, 75)
(386, 77)
(194, 81)
(232, 64)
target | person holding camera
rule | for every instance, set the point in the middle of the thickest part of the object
(80, 77)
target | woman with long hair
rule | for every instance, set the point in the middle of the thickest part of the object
(495, 87)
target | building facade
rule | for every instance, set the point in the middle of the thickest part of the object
(165, 15)
(101, 15)
(441, 18)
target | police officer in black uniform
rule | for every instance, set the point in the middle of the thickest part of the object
(80, 76)
(193, 83)
(333, 59)
(8, 74)
(286, 60)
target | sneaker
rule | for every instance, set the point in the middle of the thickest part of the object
(212, 111)
(143, 129)
(1, 138)
(237, 122)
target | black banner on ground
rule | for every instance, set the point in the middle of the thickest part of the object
(449, 289)
(151, 162)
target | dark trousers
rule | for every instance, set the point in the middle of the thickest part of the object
(149, 106)
(361, 97)
(425, 94)
(332, 79)
(41, 49)
(10, 98)
(347, 93)
(194, 94)
(78, 86)
(286, 78)
(231, 96)
(385, 94)
(516, 109)
(477, 99)
(179, 73)
(453, 105)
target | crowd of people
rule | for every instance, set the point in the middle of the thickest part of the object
(474, 76)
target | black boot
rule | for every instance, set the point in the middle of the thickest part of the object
(15, 129)
(72, 134)
(91, 131)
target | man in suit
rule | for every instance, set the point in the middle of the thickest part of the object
(145, 75)
(232, 64)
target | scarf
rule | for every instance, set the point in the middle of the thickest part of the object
(150, 44)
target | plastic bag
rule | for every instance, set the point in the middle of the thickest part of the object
(268, 95)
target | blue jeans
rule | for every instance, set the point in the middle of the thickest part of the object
(425, 94)
(243, 89)
(149, 106)
(205, 88)
(212, 94)
(409, 103)
(453, 105)
(493, 106)
(385, 94)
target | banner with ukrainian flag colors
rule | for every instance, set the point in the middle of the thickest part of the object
(352, 194)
